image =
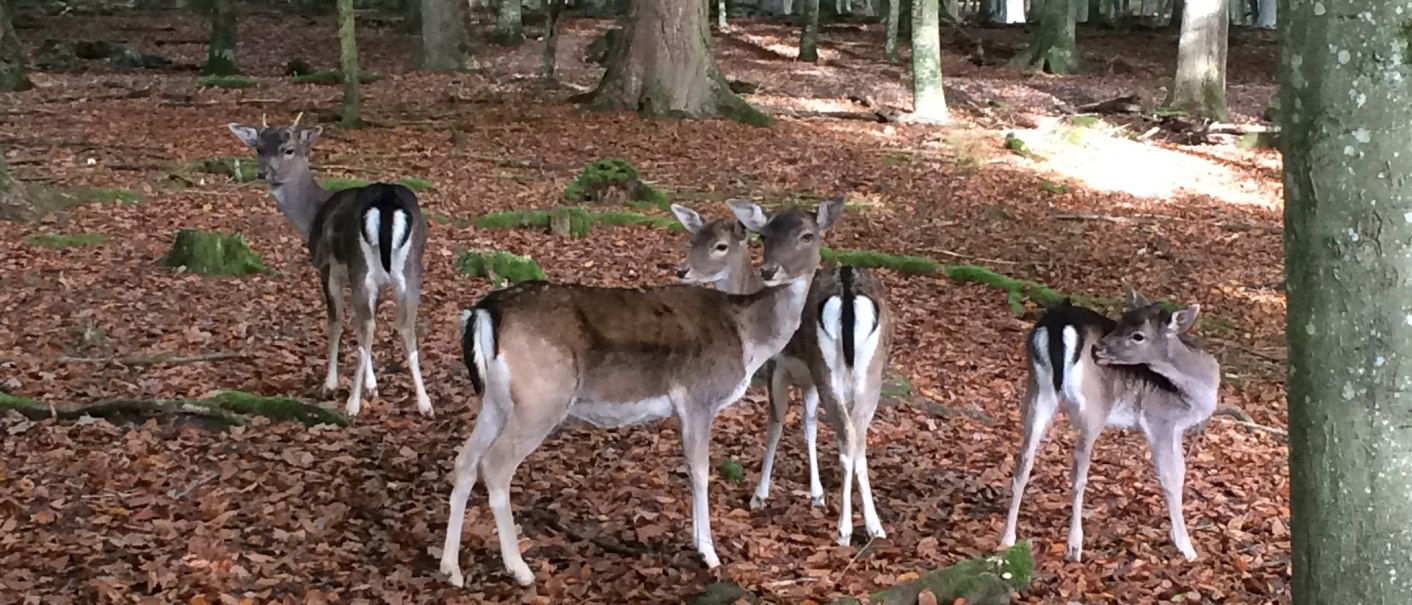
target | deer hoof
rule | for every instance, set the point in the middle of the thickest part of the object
(816, 501)
(1074, 553)
(522, 573)
(757, 502)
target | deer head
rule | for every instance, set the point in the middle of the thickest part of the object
(716, 248)
(281, 152)
(1146, 333)
(794, 236)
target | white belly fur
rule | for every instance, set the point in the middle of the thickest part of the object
(606, 415)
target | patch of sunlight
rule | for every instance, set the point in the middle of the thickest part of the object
(785, 49)
(1101, 159)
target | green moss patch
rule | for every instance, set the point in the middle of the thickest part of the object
(498, 266)
(330, 77)
(226, 407)
(610, 179)
(570, 220)
(105, 194)
(213, 254)
(413, 183)
(226, 82)
(59, 241)
(907, 265)
(240, 170)
(988, 579)
(730, 470)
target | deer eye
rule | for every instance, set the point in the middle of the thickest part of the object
(722, 247)
(1138, 337)
(289, 153)
(807, 237)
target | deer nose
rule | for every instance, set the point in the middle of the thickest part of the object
(681, 272)
(768, 272)
(260, 173)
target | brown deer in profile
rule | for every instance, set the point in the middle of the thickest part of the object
(843, 345)
(1141, 371)
(539, 353)
(366, 237)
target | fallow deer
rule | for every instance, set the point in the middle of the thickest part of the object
(843, 342)
(539, 353)
(365, 237)
(1142, 371)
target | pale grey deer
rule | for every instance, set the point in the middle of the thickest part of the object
(366, 237)
(843, 343)
(539, 353)
(1141, 371)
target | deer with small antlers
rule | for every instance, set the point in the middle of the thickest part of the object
(1142, 371)
(539, 353)
(366, 237)
(843, 344)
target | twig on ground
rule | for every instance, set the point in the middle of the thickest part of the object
(178, 494)
(860, 552)
(783, 583)
(969, 257)
(160, 359)
(1243, 419)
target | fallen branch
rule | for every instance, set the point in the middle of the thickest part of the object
(178, 494)
(226, 407)
(969, 257)
(1221, 128)
(1245, 420)
(881, 116)
(1127, 104)
(159, 359)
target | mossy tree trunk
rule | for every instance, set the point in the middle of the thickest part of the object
(1265, 18)
(809, 31)
(665, 66)
(928, 101)
(446, 43)
(551, 40)
(13, 66)
(348, 64)
(1053, 49)
(509, 23)
(1348, 251)
(1200, 86)
(721, 10)
(890, 41)
(220, 49)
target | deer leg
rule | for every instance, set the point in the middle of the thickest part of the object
(332, 283)
(524, 431)
(862, 419)
(489, 426)
(811, 432)
(838, 420)
(407, 304)
(695, 422)
(779, 402)
(1038, 409)
(1083, 454)
(1171, 474)
(364, 302)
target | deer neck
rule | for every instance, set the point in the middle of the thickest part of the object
(1194, 372)
(299, 199)
(768, 318)
(741, 278)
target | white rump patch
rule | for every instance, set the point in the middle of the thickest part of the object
(372, 257)
(607, 415)
(1073, 373)
(1039, 364)
(865, 338)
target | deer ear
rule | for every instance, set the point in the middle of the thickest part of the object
(1183, 319)
(749, 214)
(248, 135)
(829, 211)
(307, 136)
(688, 218)
(1134, 300)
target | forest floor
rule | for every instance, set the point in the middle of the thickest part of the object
(165, 512)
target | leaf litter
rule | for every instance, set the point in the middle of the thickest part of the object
(280, 512)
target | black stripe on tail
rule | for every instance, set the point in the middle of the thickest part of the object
(1055, 319)
(386, 199)
(848, 313)
(468, 352)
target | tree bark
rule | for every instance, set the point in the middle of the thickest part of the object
(509, 26)
(1081, 11)
(992, 12)
(809, 32)
(665, 67)
(1200, 86)
(1178, 15)
(1266, 19)
(551, 40)
(1348, 250)
(928, 100)
(1053, 49)
(220, 50)
(348, 64)
(721, 10)
(445, 41)
(13, 66)
(890, 41)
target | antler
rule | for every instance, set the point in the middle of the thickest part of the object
(296, 121)
(264, 122)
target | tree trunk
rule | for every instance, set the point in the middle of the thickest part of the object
(992, 12)
(1081, 11)
(411, 16)
(220, 49)
(1053, 49)
(890, 42)
(809, 32)
(1348, 251)
(665, 67)
(1174, 22)
(348, 64)
(12, 58)
(509, 27)
(1267, 14)
(721, 9)
(551, 40)
(952, 10)
(928, 101)
(1200, 87)
(445, 41)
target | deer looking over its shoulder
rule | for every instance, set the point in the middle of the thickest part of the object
(365, 237)
(1141, 371)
